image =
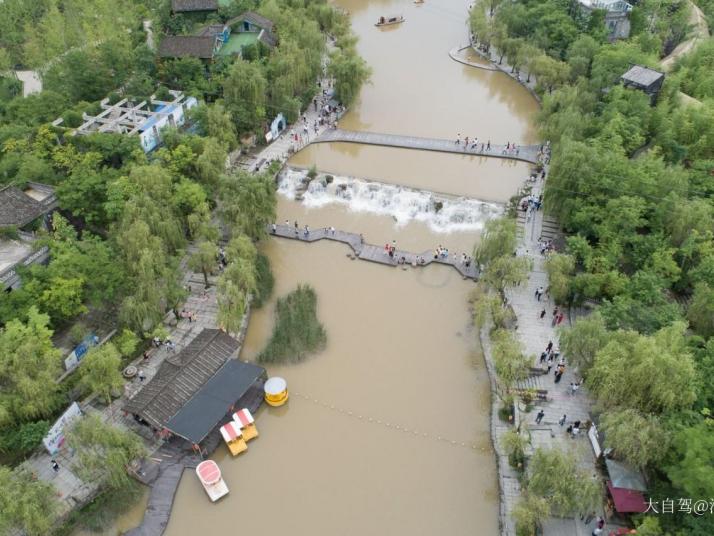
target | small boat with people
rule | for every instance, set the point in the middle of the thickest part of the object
(210, 476)
(386, 21)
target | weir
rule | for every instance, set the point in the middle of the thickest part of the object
(441, 212)
(371, 252)
(524, 153)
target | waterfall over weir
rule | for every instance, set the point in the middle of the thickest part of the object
(441, 212)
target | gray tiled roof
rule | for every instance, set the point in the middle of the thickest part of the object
(181, 376)
(18, 209)
(181, 46)
(179, 6)
(642, 76)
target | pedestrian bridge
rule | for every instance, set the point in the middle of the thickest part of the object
(524, 153)
(372, 253)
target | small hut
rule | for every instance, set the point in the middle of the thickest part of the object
(644, 79)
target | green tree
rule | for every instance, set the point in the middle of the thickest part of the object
(29, 366)
(560, 268)
(692, 465)
(700, 311)
(507, 271)
(511, 365)
(350, 72)
(554, 475)
(104, 451)
(26, 504)
(638, 439)
(584, 340)
(204, 259)
(244, 92)
(248, 202)
(126, 343)
(497, 240)
(212, 162)
(529, 513)
(100, 371)
(651, 374)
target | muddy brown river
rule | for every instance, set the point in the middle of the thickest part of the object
(386, 430)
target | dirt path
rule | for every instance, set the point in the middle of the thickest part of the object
(700, 31)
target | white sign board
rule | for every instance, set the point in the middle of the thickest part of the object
(54, 439)
(592, 434)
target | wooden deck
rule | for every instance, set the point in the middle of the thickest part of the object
(525, 153)
(171, 463)
(372, 253)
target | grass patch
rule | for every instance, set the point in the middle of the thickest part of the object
(102, 511)
(265, 280)
(297, 332)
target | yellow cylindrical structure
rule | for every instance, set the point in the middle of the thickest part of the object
(276, 391)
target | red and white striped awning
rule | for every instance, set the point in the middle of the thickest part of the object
(231, 431)
(243, 418)
(208, 472)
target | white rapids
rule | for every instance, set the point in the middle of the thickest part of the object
(442, 213)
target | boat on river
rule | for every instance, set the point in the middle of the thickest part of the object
(386, 21)
(233, 436)
(244, 420)
(210, 476)
(276, 391)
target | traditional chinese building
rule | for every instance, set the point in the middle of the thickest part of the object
(197, 390)
(617, 14)
(194, 6)
(22, 212)
(644, 79)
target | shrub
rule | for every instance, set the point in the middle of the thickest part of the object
(264, 279)
(297, 331)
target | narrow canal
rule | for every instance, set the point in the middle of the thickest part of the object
(387, 430)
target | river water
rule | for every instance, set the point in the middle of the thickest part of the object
(387, 429)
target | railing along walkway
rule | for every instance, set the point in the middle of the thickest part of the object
(372, 253)
(524, 153)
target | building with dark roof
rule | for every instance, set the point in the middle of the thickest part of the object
(188, 46)
(250, 22)
(190, 6)
(644, 79)
(20, 207)
(196, 389)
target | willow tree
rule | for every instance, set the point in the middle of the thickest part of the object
(244, 94)
(350, 72)
(26, 504)
(248, 202)
(498, 240)
(100, 371)
(652, 374)
(29, 366)
(204, 259)
(104, 451)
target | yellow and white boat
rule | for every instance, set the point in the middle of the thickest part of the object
(276, 391)
(246, 423)
(233, 436)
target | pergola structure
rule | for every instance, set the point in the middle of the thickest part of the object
(145, 118)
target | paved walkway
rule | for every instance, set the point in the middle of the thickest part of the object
(534, 335)
(525, 153)
(455, 54)
(71, 490)
(700, 31)
(372, 253)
